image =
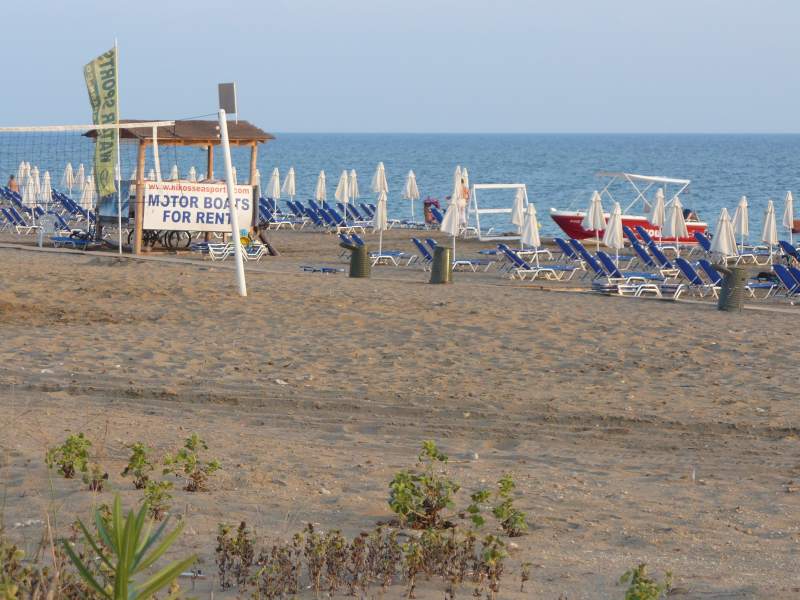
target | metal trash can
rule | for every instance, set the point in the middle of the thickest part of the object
(442, 268)
(731, 293)
(359, 260)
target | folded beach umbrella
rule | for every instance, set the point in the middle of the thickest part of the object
(320, 194)
(173, 174)
(675, 226)
(274, 186)
(612, 236)
(379, 183)
(37, 181)
(381, 220)
(788, 214)
(451, 223)
(257, 179)
(289, 185)
(724, 242)
(354, 194)
(68, 178)
(87, 194)
(741, 220)
(529, 235)
(658, 213)
(411, 191)
(342, 193)
(46, 194)
(769, 234)
(192, 174)
(465, 177)
(80, 178)
(594, 219)
(21, 174)
(151, 175)
(518, 210)
(29, 193)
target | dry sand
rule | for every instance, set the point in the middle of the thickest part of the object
(638, 430)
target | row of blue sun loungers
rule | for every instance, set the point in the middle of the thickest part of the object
(69, 217)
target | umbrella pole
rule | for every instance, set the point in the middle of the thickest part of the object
(596, 241)
(454, 248)
(380, 242)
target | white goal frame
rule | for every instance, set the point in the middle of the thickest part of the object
(474, 208)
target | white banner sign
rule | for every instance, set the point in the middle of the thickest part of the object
(186, 206)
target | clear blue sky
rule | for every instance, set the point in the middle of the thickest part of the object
(418, 65)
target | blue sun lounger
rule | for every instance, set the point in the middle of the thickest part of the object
(521, 268)
(789, 283)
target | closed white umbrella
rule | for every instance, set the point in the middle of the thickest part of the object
(21, 173)
(342, 193)
(151, 175)
(612, 236)
(594, 219)
(47, 190)
(518, 210)
(741, 220)
(379, 183)
(381, 221)
(675, 226)
(411, 191)
(192, 174)
(29, 195)
(320, 194)
(451, 222)
(529, 235)
(788, 214)
(87, 197)
(458, 195)
(465, 177)
(354, 194)
(68, 178)
(173, 174)
(658, 213)
(274, 186)
(257, 178)
(289, 185)
(769, 234)
(80, 178)
(724, 242)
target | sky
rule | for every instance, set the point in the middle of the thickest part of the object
(518, 66)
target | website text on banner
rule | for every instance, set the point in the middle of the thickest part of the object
(194, 206)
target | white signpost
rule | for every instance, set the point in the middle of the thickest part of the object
(185, 206)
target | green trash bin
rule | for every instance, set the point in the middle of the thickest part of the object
(442, 268)
(731, 293)
(359, 260)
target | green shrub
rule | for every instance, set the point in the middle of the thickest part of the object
(511, 520)
(71, 457)
(127, 549)
(157, 498)
(643, 587)
(139, 466)
(419, 497)
(188, 464)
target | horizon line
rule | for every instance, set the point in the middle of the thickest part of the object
(277, 132)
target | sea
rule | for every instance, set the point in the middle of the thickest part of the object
(559, 170)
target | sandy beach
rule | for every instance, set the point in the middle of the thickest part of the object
(637, 430)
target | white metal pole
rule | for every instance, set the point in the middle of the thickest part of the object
(119, 159)
(237, 244)
(156, 158)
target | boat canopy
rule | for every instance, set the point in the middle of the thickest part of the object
(642, 184)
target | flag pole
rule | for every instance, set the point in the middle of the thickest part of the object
(119, 158)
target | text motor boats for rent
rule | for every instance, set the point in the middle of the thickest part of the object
(571, 222)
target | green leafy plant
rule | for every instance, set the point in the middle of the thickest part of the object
(139, 466)
(477, 499)
(643, 587)
(235, 555)
(188, 464)
(95, 477)
(127, 548)
(71, 457)
(157, 498)
(512, 521)
(418, 497)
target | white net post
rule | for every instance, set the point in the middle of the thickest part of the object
(237, 244)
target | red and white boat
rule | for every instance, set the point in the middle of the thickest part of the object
(571, 221)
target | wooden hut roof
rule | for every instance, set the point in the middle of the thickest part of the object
(192, 133)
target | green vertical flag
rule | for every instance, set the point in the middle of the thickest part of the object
(101, 82)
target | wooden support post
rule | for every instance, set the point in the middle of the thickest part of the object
(253, 160)
(138, 218)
